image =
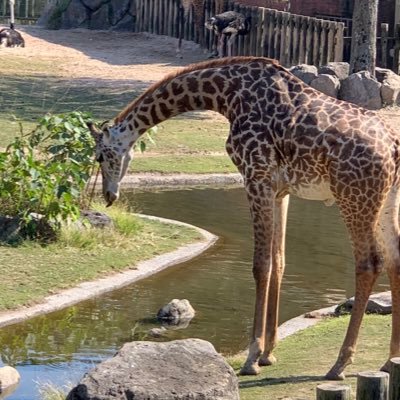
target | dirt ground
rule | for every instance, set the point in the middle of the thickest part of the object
(119, 56)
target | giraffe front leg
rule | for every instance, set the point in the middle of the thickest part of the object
(278, 266)
(262, 214)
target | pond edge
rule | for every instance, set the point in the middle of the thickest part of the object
(90, 289)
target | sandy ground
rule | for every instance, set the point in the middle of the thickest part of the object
(119, 56)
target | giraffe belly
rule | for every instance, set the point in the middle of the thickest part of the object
(313, 191)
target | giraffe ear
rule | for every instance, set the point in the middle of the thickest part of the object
(93, 129)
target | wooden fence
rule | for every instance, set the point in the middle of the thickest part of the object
(291, 39)
(26, 11)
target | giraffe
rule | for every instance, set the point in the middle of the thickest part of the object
(285, 138)
(198, 17)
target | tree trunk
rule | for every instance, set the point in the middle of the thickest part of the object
(363, 41)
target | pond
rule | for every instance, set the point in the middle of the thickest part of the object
(60, 347)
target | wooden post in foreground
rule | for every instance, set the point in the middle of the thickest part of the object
(331, 391)
(394, 381)
(373, 386)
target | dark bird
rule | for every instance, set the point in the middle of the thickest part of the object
(228, 24)
(9, 37)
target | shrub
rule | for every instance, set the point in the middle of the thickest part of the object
(45, 172)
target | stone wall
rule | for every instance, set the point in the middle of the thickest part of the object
(111, 14)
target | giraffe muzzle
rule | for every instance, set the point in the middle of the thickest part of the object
(110, 198)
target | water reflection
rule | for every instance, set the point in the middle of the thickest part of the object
(219, 284)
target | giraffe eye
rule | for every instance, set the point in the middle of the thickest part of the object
(100, 158)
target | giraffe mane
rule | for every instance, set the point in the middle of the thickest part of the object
(191, 68)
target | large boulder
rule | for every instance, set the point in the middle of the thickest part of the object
(338, 69)
(362, 89)
(305, 72)
(176, 312)
(379, 303)
(328, 84)
(390, 89)
(177, 370)
(9, 379)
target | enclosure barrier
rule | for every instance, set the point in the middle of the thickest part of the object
(370, 386)
(291, 39)
(26, 11)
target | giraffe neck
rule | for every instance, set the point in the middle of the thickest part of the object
(228, 88)
(189, 92)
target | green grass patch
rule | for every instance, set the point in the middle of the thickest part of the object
(189, 134)
(30, 271)
(305, 357)
(189, 164)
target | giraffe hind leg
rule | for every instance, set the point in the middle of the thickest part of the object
(389, 237)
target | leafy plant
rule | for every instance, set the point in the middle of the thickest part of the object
(45, 172)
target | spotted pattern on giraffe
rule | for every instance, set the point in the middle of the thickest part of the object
(285, 138)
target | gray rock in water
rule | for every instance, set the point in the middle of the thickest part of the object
(338, 69)
(305, 72)
(362, 89)
(188, 369)
(176, 312)
(379, 303)
(9, 379)
(327, 84)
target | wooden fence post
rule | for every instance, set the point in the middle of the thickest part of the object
(330, 391)
(394, 380)
(373, 386)
(396, 56)
(384, 42)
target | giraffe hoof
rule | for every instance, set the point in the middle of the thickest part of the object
(334, 376)
(251, 369)
(266, 360)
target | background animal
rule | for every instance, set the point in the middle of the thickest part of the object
(9, 37)
(198, 17)
(228, 24)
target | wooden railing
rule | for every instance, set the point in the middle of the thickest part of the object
(289, 38)
(26, 11)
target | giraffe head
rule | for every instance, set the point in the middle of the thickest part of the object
(114, 156)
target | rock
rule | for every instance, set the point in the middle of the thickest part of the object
(157, 332)
(382, 73)
(93, 14)
(176, 312)
(305, 72)
(177, 370)
(14, 229)
(9, 378)
(379, 303)
(328, 84)
(338, 69)
(10, 229)
(362, 89)
(390, 89)
(96, 219)
(75, 16)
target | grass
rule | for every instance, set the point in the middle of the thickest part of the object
(31, 271)
(304, 357)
